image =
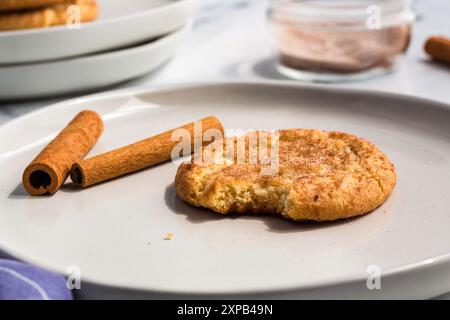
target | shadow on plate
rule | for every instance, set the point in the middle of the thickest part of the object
(274, 224)
(20, 193)
(264, 68)
(435, 64)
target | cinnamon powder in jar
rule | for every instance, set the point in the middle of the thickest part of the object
(336, 46)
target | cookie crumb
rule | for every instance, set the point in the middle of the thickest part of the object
(169, 236)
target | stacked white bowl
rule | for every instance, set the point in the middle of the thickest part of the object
(128, 39)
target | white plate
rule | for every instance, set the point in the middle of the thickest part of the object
(114, 232)
(121, 23)
(87, 72)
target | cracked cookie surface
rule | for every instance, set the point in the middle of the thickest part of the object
(321, 176)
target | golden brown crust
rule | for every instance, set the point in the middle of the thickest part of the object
(48, 16)
(322, 176)
(14, 5)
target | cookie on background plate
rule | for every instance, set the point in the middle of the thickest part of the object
(14, 5)
(47, 16)
(321, 176)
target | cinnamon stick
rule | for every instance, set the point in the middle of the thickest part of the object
(47, 172)
(438, 47)
(137, 156)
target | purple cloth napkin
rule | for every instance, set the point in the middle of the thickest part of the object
(20, 281)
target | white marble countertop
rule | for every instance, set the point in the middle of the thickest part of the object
(229, 41)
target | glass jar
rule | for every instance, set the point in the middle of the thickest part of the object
(337, 40)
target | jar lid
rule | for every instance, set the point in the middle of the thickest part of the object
(389, 12)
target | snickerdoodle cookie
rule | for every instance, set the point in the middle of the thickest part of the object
(52, 15)
(14, 5)
(321, 176)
